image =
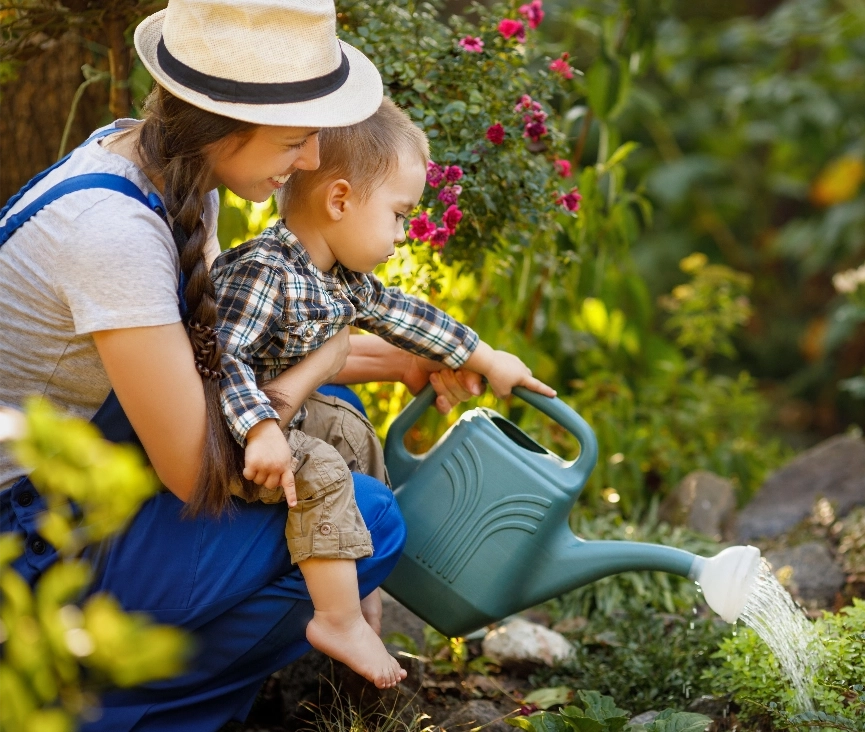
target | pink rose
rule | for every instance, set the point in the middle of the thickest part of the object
(561, 67)
(471, 45)
(533, 12)
(439, 238)
(535, 130)
(496, 134)
(450, 194)
(453, 173)
(452, 216)
(570, 201)
(513, 29)
(524, 102)
(421, 228)
(563, 167)
(434, 174)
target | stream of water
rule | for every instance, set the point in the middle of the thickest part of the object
(772, 614)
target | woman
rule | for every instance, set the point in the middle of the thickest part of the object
(91, 294)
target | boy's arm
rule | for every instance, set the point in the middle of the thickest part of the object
(250, 304)
(425, 330)
(414, 325)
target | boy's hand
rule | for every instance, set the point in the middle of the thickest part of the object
(504, 371)
(268, 459)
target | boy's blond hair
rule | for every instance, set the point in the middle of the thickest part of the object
(364, 154)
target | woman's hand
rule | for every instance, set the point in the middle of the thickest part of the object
(451, 387)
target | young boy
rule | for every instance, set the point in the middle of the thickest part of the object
(281, 296)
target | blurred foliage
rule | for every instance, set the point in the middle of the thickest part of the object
(60, 644)
(650, 659)
(750, 120)
(749, 673)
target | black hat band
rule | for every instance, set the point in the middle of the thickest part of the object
(251, 92)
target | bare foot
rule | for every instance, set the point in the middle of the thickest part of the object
(351, 640)
(370, 606)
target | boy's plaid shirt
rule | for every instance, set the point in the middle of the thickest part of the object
(275, 306)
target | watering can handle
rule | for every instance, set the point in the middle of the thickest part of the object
(403, 461)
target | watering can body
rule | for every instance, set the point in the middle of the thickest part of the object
(487, 515)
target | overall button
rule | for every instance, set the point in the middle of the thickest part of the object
(325, 529)
(38, 546)
(25, 499)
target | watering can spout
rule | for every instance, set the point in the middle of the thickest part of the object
(726, 579)
(573, 562)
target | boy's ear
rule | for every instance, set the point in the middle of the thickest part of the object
(338, 198)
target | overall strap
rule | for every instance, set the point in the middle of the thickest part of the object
(79, 183)
(39, 176)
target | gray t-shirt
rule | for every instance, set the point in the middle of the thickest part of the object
(93, 260)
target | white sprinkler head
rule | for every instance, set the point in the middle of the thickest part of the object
(727, 579)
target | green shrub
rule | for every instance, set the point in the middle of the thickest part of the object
(751, 676)
(650, 659)
(600, 714)
(509, 189)
(61, 645)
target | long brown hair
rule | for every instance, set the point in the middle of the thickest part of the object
(172, 143)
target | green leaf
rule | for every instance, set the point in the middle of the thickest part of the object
(672, 721)
(401, 640)
(619, 156)
(604, 709)
(540, 722)
(549, 697)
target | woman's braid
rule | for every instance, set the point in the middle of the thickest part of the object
(173, 142)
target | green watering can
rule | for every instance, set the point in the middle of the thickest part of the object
(487, 515)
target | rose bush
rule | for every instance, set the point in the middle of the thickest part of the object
(486, 107)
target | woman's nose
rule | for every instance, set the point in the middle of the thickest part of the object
(308, 159)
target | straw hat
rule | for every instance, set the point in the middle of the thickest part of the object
(271, 62)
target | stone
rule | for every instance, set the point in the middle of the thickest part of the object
(479, 713)
(816, 577)
(834, 470)
(644, 718)
(716, 707)
(703, 502)
(521, 644)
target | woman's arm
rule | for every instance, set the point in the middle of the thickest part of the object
(374, 359)
(153, 373)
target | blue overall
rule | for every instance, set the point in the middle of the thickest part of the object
(228, 581)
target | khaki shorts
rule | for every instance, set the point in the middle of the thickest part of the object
(335, 440)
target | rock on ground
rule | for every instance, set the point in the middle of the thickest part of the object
(704, 502)
(520, 643)
(816, 577)
(834, 470)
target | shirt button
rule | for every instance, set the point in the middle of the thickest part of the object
(38, 546)
(25, 499)
(325, 529)
(309, 333)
